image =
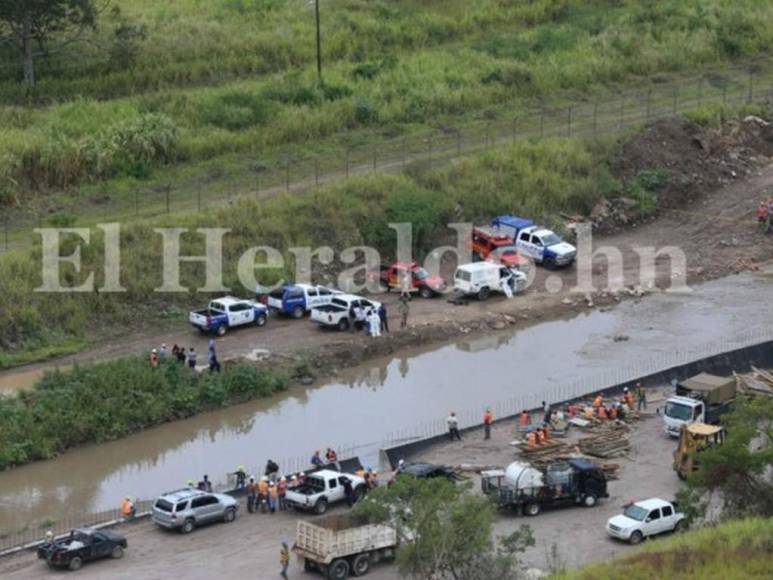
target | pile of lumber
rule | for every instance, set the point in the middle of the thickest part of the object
(757, 382)
(612, 441)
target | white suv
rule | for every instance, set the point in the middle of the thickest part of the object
(646, 518)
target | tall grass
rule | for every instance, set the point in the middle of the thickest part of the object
(389, 66)
(534, 179)
(734, 550)
(104, 401)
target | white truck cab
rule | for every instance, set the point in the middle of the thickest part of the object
(482, 278)
(646, 518)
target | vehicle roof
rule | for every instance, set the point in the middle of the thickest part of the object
(329, 473)
(474, 266)
(491, 232)
(512, 221)
(350, 297)
(542, 232)
(651, 504)
(685, 400)
(703, 429)
(706, 382)
(181, 494)
(226, 300)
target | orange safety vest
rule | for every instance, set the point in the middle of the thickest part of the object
(602, 413)
(524, 419)
(598, 401)
(531, 439)
(629, 400)
(488, 418)
(273, 491)
(360, 473)
(262, 487)
(126, 507)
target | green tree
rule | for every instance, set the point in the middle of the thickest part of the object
(739, 469)
(444, 532)
(29, 24)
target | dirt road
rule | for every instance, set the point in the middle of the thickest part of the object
(249, 547)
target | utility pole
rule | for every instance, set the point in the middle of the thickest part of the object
(319, 42)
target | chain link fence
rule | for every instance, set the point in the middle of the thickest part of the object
(261, 179)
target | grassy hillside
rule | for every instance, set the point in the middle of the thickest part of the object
(218, 77)
(735, 550)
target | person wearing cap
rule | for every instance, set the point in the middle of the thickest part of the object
(282, 491)
(641, 397)
(316, 460)
(128, 511)
(273, 497)
(162, 352)
(301, 478)
(372, 479)
(252, 495)
(400, 466)
(153, 359)
(263, 493)
(293, 482)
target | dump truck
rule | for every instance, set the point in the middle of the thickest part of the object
(340, 545)
(694, 439)
(703, 398)
(522, 487)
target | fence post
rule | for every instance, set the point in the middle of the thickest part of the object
(198, 198)
(724, 93)
(488, 135)
(542, 124)
(676, 98)
(622, 111)
(347, 162)
(316, 172)
(595, 118)
(287, 175)
(515, 131)
(375, 157)
(458, 141)
(649, 97)
(429, 151)
(404, 146)
(136, 203)
(5, 235)
(751, 86)
(569, 122)
(168, 193)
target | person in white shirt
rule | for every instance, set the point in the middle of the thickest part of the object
(453, 427)
(374, 321)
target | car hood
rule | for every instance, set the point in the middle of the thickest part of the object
(622, 522)
(562, 248)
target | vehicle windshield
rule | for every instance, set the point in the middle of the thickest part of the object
(278, 293)
(164, 505)
(678, 411)
(216, 306)
(463, 275)
(635, 512)
(421, 274)
(550, 239)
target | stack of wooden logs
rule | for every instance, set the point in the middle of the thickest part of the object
(609, 441)
(757, 382)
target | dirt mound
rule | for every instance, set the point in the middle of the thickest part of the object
(695, 159)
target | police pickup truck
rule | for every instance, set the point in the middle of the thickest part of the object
(297, 299)
(228, 312)
(336, 314)
(540, 244)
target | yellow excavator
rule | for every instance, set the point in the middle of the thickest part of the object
(693, 439)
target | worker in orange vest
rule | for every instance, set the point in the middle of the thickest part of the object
(531, 439)
(263, 493)
(602, 412)
(598, 401)
(488, 419)
(525, 419)
(273, 497)
(128, 510)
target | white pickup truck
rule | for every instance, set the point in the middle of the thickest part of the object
(228, 312)
(545, 247)
(323, 488)
(336, 314)
(339, 546)
(646, 518)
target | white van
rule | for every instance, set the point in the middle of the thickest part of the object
(482, 278)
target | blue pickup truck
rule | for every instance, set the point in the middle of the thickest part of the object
(297, 299)
(228, 312)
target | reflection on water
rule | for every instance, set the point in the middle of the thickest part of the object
(362, 405)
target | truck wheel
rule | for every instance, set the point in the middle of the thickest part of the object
(117, 553)
(221, 330)
(188, 526)
(320, 507)
(75, 563)
(589, 501)
(261, 320)
(359, 493)
(425, 292)
(484, 293)
(532, 509)
(308, 565)
(298, 312)
(636, 538)
(361, 564)
(339, 570)
(229, 515)
(343, 325)
(549, 263)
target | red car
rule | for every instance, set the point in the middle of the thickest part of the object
(489, 244)
(427, 286)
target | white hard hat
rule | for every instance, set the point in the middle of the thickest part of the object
(302, 474)
(153, 351)
(264, 478)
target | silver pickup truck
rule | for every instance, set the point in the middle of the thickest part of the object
(323, 488)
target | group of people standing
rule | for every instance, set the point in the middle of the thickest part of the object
(373, 321)
(186, 357)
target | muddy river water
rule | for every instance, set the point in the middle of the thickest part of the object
(392, 398)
